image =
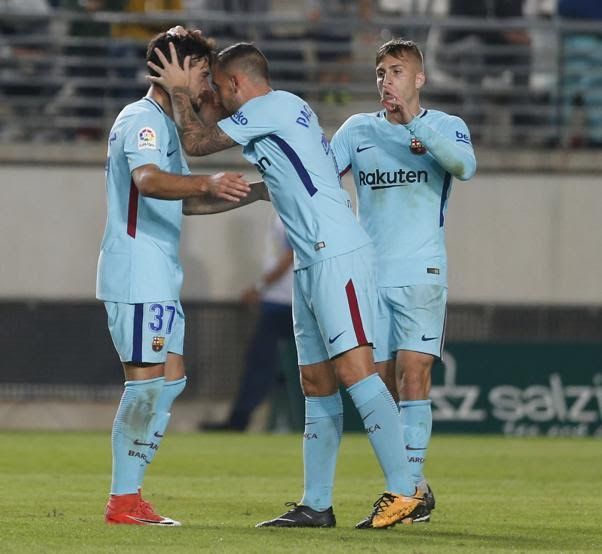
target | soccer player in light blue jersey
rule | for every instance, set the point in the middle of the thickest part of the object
(139, 272)
(333, 284)
(403, 160)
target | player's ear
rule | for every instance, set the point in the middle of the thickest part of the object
(420, 80)
(234, 83)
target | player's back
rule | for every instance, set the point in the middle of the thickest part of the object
(402, 193)
(283, 139)
(139, 259)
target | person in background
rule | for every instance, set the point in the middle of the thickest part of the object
(273, 293)
(129, 43)
(581, 81)
(331, 29)
(496, 59)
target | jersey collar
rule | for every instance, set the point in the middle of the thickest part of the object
(382, 114)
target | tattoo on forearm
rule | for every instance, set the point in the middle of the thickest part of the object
(197, 138)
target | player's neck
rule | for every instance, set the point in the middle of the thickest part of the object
(255, 91)
(161, 97)
(415, 111)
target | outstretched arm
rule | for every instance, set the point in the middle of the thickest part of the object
(197, 138)
(203, 205)
(155, 183)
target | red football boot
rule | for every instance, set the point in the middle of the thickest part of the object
(130, 509)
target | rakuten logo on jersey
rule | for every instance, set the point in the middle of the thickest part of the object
(387, 179)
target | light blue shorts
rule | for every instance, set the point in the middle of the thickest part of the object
(145, 333)
(410, 318)
(334, 305)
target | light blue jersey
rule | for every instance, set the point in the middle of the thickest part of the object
(403, 190)
(282, 137)
(139, 259)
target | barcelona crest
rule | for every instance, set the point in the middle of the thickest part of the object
(417, 147)
(158, 344)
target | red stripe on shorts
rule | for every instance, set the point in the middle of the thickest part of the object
(133, 210)
(356, 317)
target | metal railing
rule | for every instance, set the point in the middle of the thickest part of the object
(58, 85)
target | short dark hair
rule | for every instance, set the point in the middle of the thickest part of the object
(190, 44)
(398, 48)
(247, 56)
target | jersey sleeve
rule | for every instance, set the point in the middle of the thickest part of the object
(257, 118)
(449, 143)
(147, 141)
(342, 148)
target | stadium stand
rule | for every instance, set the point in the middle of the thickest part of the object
(50, 55)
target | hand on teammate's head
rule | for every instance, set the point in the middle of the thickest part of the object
(180, 31)
(177, 31)
(170, 74)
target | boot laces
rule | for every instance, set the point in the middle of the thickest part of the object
(382, 503)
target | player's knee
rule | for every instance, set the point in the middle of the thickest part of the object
(316, 383)
(317, 388)
(171, 390)
(350, 375)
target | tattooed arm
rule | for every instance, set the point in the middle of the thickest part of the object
(203, 205)
(198, 139)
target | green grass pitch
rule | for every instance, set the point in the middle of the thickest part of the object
(494, 494)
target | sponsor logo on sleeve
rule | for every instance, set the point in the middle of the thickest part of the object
(462, 137)
(147, 139)
(239, 118)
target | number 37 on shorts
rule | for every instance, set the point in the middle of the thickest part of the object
(146, 332)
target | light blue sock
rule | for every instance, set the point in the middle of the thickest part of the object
(158, 425)
(417, 421)
(381, 420)
(321, 440)
(130, 432)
